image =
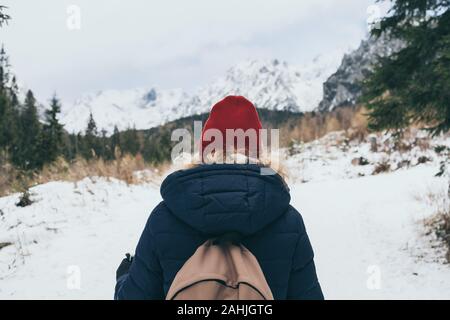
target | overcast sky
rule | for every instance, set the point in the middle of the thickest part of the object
(169, 44)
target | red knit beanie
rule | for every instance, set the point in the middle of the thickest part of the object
(233, 112)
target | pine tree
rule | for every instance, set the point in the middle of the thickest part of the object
(90, 141)
(91, 127)
(67, 148)
(52, 132)
(115, 142)
(76, 141)
(157, 149)
(4, 106)
(9, 108)
(130, 142)
(9, 119)
(27, 154)
(13, 91)
(413, 85)
(78, 144)
(104, 149)
(4, 70)
(150, 151)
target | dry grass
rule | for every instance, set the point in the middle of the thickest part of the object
(439, 223)
(382, 167)
(314, 125)
(124, 168)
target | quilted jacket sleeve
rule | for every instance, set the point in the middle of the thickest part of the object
(303, 283)
(144, 280)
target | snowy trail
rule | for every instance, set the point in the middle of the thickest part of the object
(358, 228)
(365, 234)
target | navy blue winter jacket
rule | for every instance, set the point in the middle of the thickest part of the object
(211, 200)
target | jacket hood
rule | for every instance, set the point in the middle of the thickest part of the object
(220, 198)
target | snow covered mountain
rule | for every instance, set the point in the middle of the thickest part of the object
(269, 84)
(273, 84)
(141, 108)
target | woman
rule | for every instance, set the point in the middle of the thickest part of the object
(213, 199)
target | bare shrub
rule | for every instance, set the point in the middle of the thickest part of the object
(403, 164)
(402, 146)
(360, 161)
(332, 124)
(381, 167)
(423, 159)
(422, 143)
(357, 134)
(373, 144)
(7, 177)
(440, 149)
(345, 116)
(439, 223)
(25, 199)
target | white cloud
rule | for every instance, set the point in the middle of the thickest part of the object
(168, 43)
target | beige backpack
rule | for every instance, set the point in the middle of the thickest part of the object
(220, 271)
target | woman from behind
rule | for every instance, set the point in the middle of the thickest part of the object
(228, 193)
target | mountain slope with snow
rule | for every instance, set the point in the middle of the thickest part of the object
(140, 108)
(344, 87)
(269, 84)
(273, 84)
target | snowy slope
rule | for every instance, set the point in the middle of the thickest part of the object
(89, 225)
(367, 232)
(333, 156)
(270, 84)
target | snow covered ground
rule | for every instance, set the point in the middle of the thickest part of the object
(367, 232)
(335, 156)
(72, 232)
(367, 236)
